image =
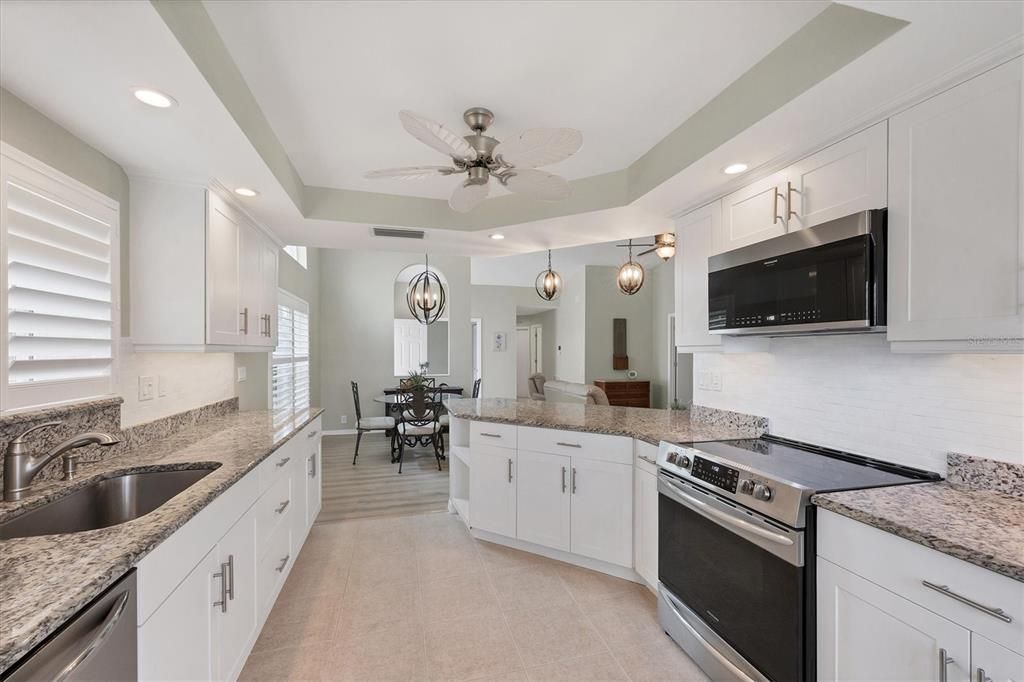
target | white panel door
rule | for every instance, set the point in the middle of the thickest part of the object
(542, 499)
(645, 525)
(410, 346)
(956, 267)
(694, 234)
(866, 632)
(846, 178)
(237, 624)
(602, 510)
(178, 642)
(224, 323)
(752, 214)
(492, 490)
(991, 662)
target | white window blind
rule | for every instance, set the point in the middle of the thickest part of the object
(290, 361)
(59, 242)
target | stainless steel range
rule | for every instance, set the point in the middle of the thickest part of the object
(736, 549)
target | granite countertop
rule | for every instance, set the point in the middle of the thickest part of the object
(981, 527)
(652, 426)
(45, 580)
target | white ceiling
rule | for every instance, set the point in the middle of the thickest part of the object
(332, 76)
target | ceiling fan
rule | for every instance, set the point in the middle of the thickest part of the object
(480, 157)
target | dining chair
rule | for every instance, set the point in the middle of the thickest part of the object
(419, 424)
(476, 388)
(370, 424)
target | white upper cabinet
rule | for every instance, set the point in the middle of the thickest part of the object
(694, 233)
(955, 202)
(847, 177)
(204, 275)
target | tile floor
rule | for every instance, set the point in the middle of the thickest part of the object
(418, 598)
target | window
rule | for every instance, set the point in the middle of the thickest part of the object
(59, 241)
(289, 374)
(298, 253)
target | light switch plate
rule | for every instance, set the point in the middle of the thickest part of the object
(241, 374)
(161, 386)
(147, 388)
(344, 419)
(716, 380)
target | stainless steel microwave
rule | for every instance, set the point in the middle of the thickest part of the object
(829, 278)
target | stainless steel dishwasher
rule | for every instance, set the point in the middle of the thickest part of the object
(97, 643)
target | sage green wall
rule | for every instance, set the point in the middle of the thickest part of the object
(356, 329)
(604, 302)
(661, 279)
(546, 320)
(570, 323)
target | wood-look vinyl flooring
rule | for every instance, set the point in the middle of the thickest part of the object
(373, 487)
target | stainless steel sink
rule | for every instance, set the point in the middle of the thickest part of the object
(103, 503)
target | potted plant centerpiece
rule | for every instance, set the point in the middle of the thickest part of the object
(416, 384)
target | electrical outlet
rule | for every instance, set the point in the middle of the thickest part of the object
(344, 419)
(716, 380)
(147, 388)
(703, 379)
(161, 386)
(241, 374)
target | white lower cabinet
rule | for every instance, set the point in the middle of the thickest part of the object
(542, 509)
(991, 662)
(645, 521)
(866, 632)
(314, 486)
(492, 489)
(235, 622)
(602, 518)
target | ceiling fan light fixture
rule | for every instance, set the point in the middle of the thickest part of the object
(548, 283)
(665, 245)
(631, 275)
(426, 296)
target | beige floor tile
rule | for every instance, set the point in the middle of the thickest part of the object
(530, 587)
(553, 633)
(499, 557)
(626, 621)
(517, 676)
(377, 608)
(336, 533)
(295, 663)
(373, 567)
(598, 668)
(443, 561)
(586, 585)
(443, 536)
(471, 648)
(297, 608)
(314, 574)
(658, 662)
(399, 539)
(396, 655)
(456, 596)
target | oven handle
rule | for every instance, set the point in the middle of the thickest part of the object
(722, 518)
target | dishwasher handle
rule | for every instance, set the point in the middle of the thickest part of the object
(103, 631)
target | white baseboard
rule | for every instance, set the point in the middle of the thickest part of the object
(339, 432)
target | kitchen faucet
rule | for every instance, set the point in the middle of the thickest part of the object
(20, 467)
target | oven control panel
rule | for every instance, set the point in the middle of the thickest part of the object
(716, 474)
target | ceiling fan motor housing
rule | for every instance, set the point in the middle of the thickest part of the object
(478, 119)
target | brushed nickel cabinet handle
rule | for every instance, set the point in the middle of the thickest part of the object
(245, 321)
(312, 465)
(775, 206)
(569, 445)
(231, 577)
(980, 675)
(574, 480)
(647, 459)
(312, 434)
(284, 562)
(563, 479)
(223, 575)
(992, 611)
(281, 507)
(944, 661)
(490, 435)
(284, 461)
(790, 213)
(510, 470)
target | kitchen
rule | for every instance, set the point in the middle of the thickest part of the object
(193, 285)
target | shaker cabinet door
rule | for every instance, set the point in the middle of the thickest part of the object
(492, 490)
(542, 499)
(752, 214)
(224, 323)
(694, 234)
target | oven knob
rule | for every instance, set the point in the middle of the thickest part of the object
(762, 492)
(747, 486)
(672, 458)
(684, 461)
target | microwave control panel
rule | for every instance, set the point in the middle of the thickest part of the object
(716, 474)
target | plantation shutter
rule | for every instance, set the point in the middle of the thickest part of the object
(290, 361)
(59, 243)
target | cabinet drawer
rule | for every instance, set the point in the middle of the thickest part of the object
(902, 567)
(488, 433)
(273, 507)
(577, 443)
(276, 466)
(273, 568)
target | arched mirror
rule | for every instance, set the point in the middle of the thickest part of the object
(416, 343)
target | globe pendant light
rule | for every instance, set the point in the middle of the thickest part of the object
(549, 283)
(631, 275)
(425, 295)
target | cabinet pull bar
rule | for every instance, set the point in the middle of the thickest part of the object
(312, 434)
(510, 470)
(284, 505)
(563, 479)
(647, 459)
(569, 445)
(944, 661)
(284, 562)
(223, 575)
(231, 577)
(944, 589)
(574, 480)
(775, 206)
(245, 321)
(490, 435)
(790, 213)
(981, 676)
(312, 465)
(284, 461)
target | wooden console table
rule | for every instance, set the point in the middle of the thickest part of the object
(627, 393)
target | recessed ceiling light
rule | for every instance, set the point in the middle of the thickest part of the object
(734, 168)
(154, 98)
(497, 236)
(246, 192)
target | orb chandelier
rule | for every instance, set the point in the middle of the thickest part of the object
(631, 275)
(549, 283)
(425, 295)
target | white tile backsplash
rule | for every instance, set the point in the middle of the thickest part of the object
(852, 393)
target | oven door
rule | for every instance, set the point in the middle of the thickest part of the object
(739, 579)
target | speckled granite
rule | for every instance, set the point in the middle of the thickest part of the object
(44, 580)
(981, 527)
(651, 426)
(985, 474)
